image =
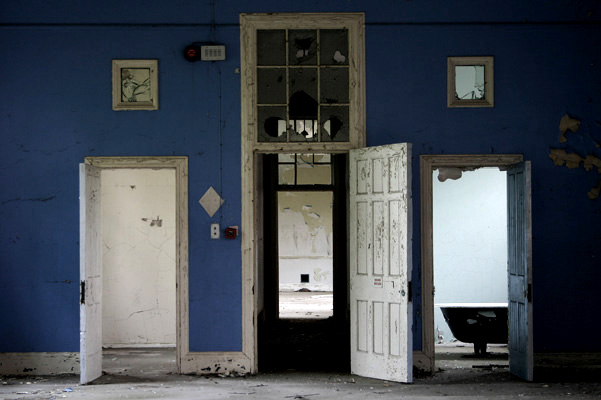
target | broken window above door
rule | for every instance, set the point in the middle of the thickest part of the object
(303, 85)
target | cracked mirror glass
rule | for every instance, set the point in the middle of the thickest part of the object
(334, 124)
(333, 85)
(272, 124)
(333, 47)
(302, 47)
(271, 47)
(271, 84)
(469, 82)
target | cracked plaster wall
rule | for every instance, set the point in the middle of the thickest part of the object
(305, 240)
(138, 234)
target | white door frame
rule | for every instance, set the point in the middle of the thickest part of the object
(428, 163)
(180, 165)
(252, 149)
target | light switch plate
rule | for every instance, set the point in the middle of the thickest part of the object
(214, 231)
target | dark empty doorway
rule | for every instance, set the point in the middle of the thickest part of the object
(299, 189)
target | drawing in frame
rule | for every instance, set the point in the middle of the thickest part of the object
(135, 85)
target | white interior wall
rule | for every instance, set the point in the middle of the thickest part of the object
(305, 240)
(138, 232)
(470, 241)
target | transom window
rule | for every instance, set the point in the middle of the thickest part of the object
(303, 85)
(303, 82)
(304, 169)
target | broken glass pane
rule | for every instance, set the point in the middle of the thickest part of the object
(321, 158)
(302, 48)
(286, 174)
(334, 85)
(286, 158)
(271, 83)
(469, 82)
(303, 130)
(271, 47)
(308, 173)
(302, 106)
(335, 124)
(272, 124)
(304, 80)
(333, 47)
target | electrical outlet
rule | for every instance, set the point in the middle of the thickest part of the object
(214, 231)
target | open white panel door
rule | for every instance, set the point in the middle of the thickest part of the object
(519, 245)
(380, 262)
(90, 274)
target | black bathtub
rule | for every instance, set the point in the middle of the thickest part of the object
(477, 323)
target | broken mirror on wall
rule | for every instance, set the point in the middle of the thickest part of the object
(469, 82)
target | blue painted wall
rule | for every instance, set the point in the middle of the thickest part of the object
(55, 109)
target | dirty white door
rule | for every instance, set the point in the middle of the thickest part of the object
(519, 244)
(380, 262)
(90, 273)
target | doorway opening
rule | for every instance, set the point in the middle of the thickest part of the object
(470, 268)
(138, 270)
(519, 255)
(134, 234)
(303, 323)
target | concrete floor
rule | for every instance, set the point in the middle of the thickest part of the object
(149, 374)
(306, 305)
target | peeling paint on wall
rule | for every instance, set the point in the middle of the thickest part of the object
(567, 124)
(572, 160)
(305, 239)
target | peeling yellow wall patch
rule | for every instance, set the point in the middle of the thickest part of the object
(566, 124)
(561, 157)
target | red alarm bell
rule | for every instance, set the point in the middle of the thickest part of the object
(231, 232)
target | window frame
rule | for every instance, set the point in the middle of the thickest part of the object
(354, 23)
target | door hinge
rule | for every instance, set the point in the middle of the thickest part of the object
(409, 291)
(82, 293)
(529, 294)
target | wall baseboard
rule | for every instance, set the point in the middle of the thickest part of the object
(39, 363)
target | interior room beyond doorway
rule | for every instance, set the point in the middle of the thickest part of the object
(305, 254)
(138, 267)
(470, 268)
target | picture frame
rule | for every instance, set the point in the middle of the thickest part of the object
(470, 81)
(135, 85)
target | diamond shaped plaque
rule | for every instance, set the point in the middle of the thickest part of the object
(211, 201)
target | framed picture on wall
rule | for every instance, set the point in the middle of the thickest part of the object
(135, 85)
(470, 82)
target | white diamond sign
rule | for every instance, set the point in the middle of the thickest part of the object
(211, 201)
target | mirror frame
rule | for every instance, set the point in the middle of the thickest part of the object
(487, 62)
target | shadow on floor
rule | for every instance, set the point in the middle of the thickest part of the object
(316, 345)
